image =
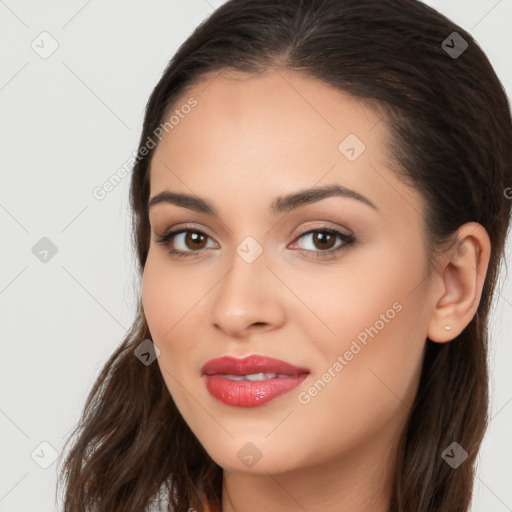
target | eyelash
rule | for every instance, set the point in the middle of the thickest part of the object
(348, 241)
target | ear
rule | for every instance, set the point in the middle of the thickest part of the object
(459, 283)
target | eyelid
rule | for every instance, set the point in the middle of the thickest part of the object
(186, 227)
(327, 226)
(347, 240)
(171, 233)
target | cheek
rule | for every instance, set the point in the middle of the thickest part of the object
(377, 317)
(164, 306)
(153, 294)
(369, 390)
(167, 295)
(171, 299)
(366, 288)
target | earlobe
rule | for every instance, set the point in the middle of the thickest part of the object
(462, 277)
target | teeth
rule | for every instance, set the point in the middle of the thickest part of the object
(253, 376)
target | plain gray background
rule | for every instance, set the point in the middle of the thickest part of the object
(68, 122)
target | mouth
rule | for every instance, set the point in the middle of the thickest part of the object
(252, 381)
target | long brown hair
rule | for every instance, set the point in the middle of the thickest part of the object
(451, 138)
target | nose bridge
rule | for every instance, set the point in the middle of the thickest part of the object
(245, 294)
(248, 268)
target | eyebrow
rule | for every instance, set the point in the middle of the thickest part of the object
(281, 204)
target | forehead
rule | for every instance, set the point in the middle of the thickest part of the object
(251, 137)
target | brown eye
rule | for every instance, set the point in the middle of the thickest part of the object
(323, 242)
(193, 240)
(184, 242)
(324, 239)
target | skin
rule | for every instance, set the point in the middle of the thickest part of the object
(249, 140)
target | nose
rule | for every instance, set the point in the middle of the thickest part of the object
(248, 298)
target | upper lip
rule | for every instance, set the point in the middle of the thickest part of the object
(251, 364)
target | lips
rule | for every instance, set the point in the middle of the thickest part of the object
(229, 365)
(252, 381)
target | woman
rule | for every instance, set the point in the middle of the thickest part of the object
(320, 209)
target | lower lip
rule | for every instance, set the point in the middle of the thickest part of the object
(247, 393)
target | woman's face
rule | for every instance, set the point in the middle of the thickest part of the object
(354, 315)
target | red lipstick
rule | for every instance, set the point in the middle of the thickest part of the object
(251, 381)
